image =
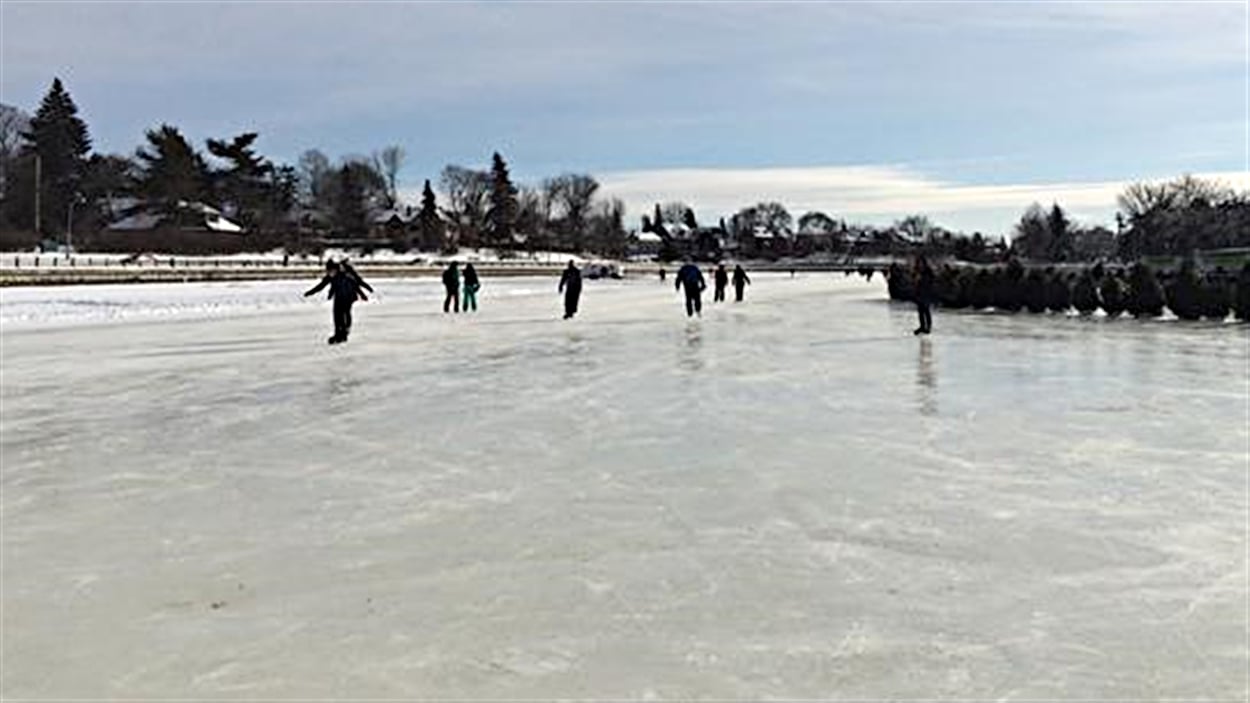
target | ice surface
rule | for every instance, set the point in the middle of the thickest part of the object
(792, 497)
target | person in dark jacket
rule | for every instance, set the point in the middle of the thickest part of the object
(692, 279)
(721, 279)
(741, 281)
(471, 286)
(571, 286)
(451, 284)
(345, 290)
(360, 281)
(924, 292)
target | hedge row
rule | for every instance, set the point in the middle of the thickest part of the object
(1138, 290)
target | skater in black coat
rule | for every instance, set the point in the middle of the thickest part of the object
(451, 284)
(345, 290)
(692, 278)
(741, 281)
(571, 286)
(924, 292)
(721, 279)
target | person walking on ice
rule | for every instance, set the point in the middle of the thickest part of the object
(721, 279)
(924, 294)
(451, 284)
(571, 286)
(741, 281)
(471, 286)
(691, 277)
(345, 289)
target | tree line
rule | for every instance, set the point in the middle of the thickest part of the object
(1137, 289)
(52, 182)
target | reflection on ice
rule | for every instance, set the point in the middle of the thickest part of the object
(790, 497)
(926, 380)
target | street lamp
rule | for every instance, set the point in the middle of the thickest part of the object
(69, 223)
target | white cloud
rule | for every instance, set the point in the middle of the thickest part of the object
(868, 193)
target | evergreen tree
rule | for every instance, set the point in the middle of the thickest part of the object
(58, 139)
(503, 204)
(245, 188)
(430, 227)
(172, 171)
(689, 220)
(356, 182)
(1060, 229)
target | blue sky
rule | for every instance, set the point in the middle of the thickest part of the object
(966, 111)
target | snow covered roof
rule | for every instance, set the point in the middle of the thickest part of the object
(218, 223)
(384, 216)
(649, 237)
(147, 218)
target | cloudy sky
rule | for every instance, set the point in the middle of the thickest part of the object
(965, 111)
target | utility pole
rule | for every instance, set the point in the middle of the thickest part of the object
(38, 175)
(69, 226)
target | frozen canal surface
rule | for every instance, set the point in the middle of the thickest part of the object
(792, 497)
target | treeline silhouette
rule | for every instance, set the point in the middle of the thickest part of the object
(1137, 289)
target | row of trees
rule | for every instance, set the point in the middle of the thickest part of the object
(50, 178)
(1138, 290)
(485, 208)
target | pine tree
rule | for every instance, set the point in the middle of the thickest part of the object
(1060, 227)
(351, 217)
(60, 141)
(172, 170)
(429, 225)
(503, 204)
(245, 187)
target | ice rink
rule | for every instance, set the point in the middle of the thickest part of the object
(792, 497)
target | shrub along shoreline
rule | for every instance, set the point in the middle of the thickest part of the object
(1135, 289)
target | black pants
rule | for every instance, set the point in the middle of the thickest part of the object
(570, 302)
(926, 317)
(342, 319)
(453, 298)
(738, 292)
(694, 303)
(719, 295)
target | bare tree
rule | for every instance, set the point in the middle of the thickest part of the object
(916, 228)
(315, 182)
(817, 222)
(468, 200)
(571, 195)
(674, 212)
(12, 123)
(770, 216)
(390, 160)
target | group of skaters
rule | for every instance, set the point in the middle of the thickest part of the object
(452, 277)
(461, 288)
(690, 280)
(1136, 289)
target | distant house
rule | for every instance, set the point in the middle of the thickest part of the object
(182, 216)
(392, 222)
(762, 241)
(646, 244)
